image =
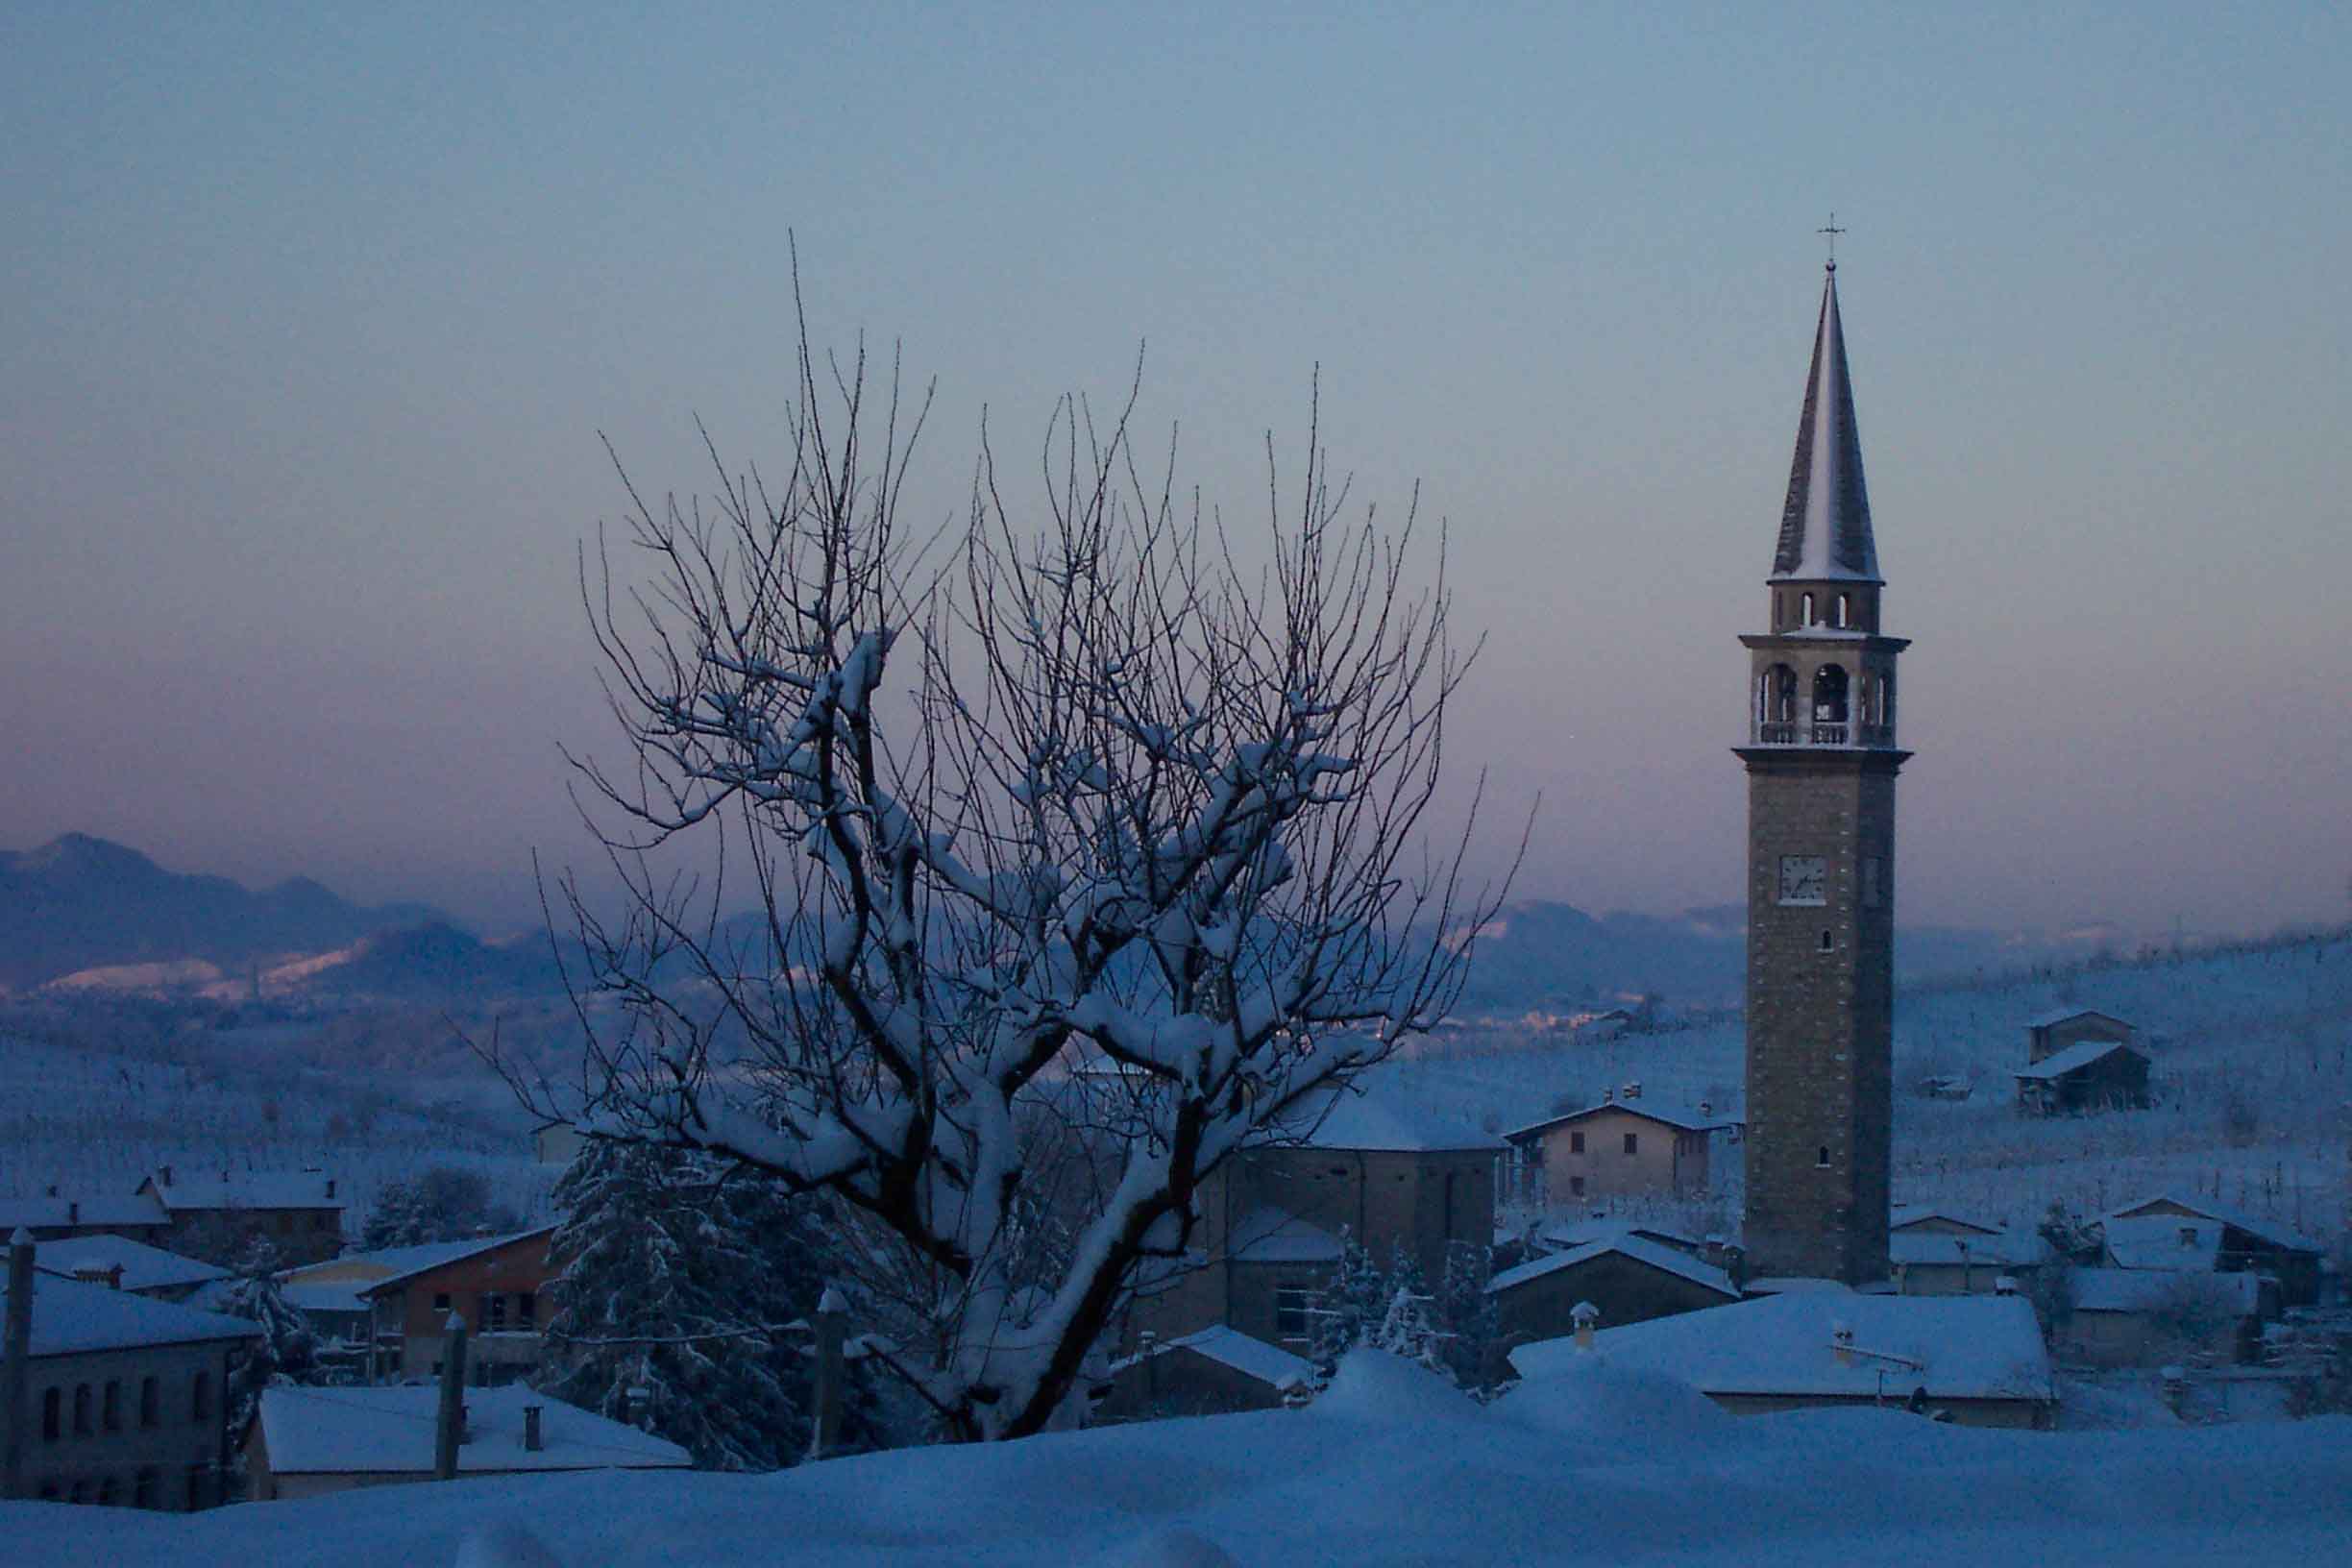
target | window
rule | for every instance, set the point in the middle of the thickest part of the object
(81, 1410)
(147, 1490)
(441, 1301)
(1829, 688)
(1822, 1158)
(49, 1491)
(492, 1305)
(1807, 603)
(106, 1491)
(193, 1488)
(1576, 1187)
(1633, 1142)
(1576, 1142)
(52, 1405)
(80, 1492)
(1828, 942)
(527, 1307)
(111, 1407)
(149, 1390)
(200, 1398)
(1844, 607)
(1292, 1305)
(2188, 1235)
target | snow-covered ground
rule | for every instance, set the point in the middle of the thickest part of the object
(2252, 1069)
(1593, 1465)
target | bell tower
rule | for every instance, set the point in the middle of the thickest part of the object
(1821, 760)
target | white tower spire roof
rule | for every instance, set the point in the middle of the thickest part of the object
(1826, 526)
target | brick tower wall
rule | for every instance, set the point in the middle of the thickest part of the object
(1819, 1022)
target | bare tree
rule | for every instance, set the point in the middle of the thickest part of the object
(1067, 813)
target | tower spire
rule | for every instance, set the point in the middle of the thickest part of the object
(1825, 524)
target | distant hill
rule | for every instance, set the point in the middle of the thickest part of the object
(80, 903)
(1554, 957)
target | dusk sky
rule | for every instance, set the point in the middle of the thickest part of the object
(314, 315)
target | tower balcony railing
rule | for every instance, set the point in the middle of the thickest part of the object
(1823, 732)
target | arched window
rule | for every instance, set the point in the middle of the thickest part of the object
(81, 1410)
(53, 1406)
(1844, 607)
(1807, 603)
(1822, 1158)
(1828, 942)
(1830, 695)
(200, 1397)
(111, 1408)
(149, 1409)
(1781, 703)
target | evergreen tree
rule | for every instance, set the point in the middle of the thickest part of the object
(685, 1279)
(443, 1203)
(286, 1350)
(1467, 1314)
(1347, 1308)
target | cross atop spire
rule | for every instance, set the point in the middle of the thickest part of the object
(1825, 524)
(1832, 230)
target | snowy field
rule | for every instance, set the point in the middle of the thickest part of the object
(1387, 1468)
(2252, 1071)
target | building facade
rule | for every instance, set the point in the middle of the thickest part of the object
(1620, 1149)
(1821, 760)
(120, 1401)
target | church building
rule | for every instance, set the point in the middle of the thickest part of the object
(1820, 760)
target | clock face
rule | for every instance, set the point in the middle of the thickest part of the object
(1804, 879)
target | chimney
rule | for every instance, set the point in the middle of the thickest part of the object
(1840, 1340)
(166, 1175)
(2005, 1286)
(1608, 1096)
(531, 1429)
(1706, 1108)
(73, 1212)
(1632, 1091)
(331, 1186)
(638, 1404)
(1586, 1317)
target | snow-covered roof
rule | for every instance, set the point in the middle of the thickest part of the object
(2061, 1014)
(185, 1190)
(1667, 1260)
(2163, 1242)
(1584, 1233)
(1686, 1118)
(2005, 1249)
(2268, 1230)
(324, 1298)
(1269, 1364)
(137, 1211)
(2147, 1290)
(364, 1267)
(1903, 1216)
(1792, 1285)
(70, 1317)
(1826, 523)
(1957, 1347)
(1353, 1118)
(390, 1432)
(450, 1252)
(1276, 1235)
(143, 1267)
(2058, 1064)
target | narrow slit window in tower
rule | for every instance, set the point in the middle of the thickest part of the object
(1828, 942)
(1822, 1158)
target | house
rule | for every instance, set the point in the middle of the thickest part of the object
(313, 1440)
(1981, 1358)
(1951, 1262)
(2144, 1318)
(1629, 1278)
(125, 1399)
(497, 1284)
(1275, 1220)
(216, 1214)
(125, 1264)
(54, 1218)
(1622, 1147)
(2066, 1027)
(1207, 1372)
(2092, 1075)
(2169, 1231)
